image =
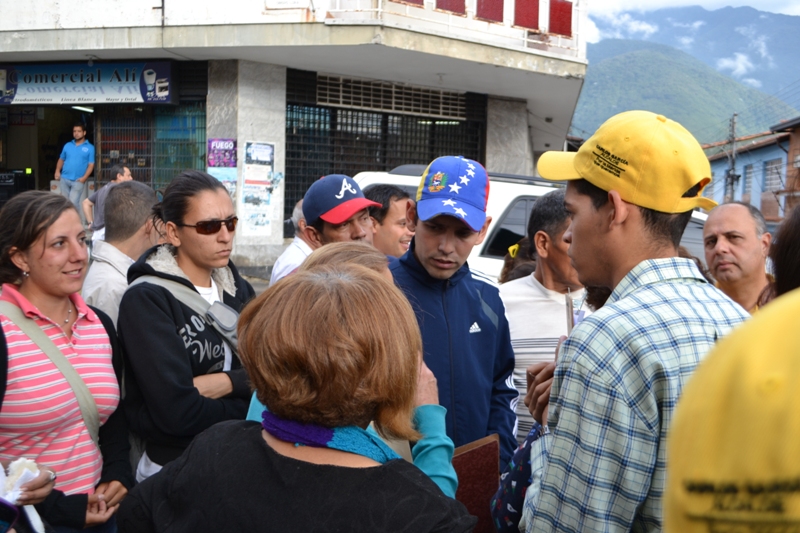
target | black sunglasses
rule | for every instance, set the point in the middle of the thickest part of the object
(210, 227)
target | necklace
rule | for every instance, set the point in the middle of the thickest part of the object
(69, 314)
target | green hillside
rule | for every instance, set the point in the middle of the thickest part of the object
(628, 74)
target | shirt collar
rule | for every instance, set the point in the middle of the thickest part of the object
(108, 253)
(652, 271)
(10, 293)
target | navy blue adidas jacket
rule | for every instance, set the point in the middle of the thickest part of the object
(467, 346)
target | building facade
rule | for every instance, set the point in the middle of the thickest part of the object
(269, 95)
(760, 172)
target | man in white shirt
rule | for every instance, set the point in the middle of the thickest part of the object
(536, 305)
(129, 234)
(293, 256)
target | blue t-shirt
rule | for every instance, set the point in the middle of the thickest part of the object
(76, 159)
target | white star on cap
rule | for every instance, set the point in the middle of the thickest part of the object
(471, 173)
(461, 212)
(464, 180)
(448, 202)
(454, 187)
(470, 166)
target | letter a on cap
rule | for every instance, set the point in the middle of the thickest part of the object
(345, 187)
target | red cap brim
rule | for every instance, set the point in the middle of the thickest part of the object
(344, 211)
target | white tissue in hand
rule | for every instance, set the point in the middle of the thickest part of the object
(20, 472)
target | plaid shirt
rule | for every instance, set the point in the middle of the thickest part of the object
(618, 378)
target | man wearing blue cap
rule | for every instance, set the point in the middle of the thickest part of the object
(336, 210)
(465, 334)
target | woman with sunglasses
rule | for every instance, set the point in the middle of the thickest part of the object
(181, 374)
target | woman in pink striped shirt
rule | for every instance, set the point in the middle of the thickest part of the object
(43, 260)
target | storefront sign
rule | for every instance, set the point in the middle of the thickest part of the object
(78, 83)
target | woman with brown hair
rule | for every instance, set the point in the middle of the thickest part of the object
(325, 368)
(433, 452)
(58, 386)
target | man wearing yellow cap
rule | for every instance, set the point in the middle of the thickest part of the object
(630, 192)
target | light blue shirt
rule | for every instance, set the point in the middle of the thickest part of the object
(76, 159)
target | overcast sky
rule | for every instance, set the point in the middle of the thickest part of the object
(607, 9)
(787, 7)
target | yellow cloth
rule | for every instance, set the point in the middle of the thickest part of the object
(733, 452)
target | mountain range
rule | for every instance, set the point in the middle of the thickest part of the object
(696, 66)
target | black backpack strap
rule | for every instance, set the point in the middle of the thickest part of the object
(3, 365)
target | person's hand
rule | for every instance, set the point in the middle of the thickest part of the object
(36, 490)
(57, 175)
(113, 492)
(97, 512)
(540, 381)
(427, 389)
(213, 386)
(537, 399)
(83, 179)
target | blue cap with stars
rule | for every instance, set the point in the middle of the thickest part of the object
(454, 186)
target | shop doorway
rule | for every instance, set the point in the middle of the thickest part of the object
(31, 138)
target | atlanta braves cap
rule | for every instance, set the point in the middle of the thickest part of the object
(456, 187)
(334, 198)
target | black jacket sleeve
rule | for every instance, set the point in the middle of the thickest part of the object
(114, 443)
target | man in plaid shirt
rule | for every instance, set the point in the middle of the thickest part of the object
(601, 463)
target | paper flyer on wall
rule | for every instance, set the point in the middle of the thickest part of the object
(228, 177)
(222, 163)
(259, 182)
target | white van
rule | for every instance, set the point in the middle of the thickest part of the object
(511, 199)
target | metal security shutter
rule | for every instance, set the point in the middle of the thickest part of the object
(156, 143)
(366, 125)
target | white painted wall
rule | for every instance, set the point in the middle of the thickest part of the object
(28, 15)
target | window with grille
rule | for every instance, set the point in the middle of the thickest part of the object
(773, 175)
(386, 96)
(338, 125)
(748, 179)
(323, 140)
(155, 143)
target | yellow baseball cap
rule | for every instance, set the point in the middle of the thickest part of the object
(733, 450)
(650, 160)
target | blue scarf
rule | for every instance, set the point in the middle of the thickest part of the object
(351, 439)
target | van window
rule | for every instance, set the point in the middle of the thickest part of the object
(511, 227)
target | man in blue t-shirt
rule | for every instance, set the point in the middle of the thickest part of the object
(75, 165)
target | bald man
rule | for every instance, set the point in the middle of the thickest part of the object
(736, 243)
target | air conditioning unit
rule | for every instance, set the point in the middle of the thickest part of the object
(796, 163)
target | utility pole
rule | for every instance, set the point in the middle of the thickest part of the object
(731, 178)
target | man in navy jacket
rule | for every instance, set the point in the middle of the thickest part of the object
(465, 333)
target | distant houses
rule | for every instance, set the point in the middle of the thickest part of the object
(766, 171)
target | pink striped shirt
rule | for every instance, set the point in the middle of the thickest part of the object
(40, 418)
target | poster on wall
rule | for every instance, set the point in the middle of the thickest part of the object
(222, 153)
(259, 182)
(228, 177)
(78, 83)
(222, 163)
